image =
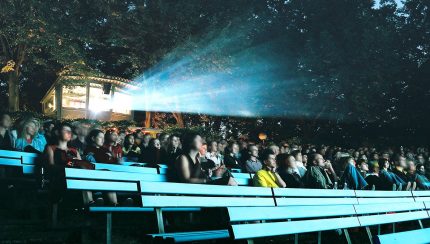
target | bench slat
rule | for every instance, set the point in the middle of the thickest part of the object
(295, 192)
(140, 209)
(382, 194)
(194, 235)
(16, 154)
(314, 201)
(248, 231)
(382, 208)
(112, 175)
(202, 189)
(101, 185)
(10, 162)
(290, 212)
(28, 169)
(384, 200)
(392, 218)
(421, 236)
(187, 201)
(421, 193)
(122, 168)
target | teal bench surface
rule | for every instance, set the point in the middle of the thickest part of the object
(421, 236)
(200, 195)
(314, 218)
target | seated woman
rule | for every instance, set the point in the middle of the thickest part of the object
(60, 156)
(351, 176)
(188, 168)
(111, 144)
(289, 172)
(268, 176)
(30, 139)
(231, 158)
(130, 149)
(95, 152)
(173, 150)
(152, 155)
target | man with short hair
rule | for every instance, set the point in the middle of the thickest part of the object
(252, 165)
(316, 177)
(267, 176)
(81, 130)
(299, 162)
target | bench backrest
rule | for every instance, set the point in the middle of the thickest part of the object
(199, 195)
(292, 197)
(345, 216)
(82, 179)
(19, 159)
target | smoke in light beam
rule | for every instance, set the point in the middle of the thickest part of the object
(226, 73)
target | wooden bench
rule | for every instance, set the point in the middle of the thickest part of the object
(318, 218)
(19, 159)
(420, 236)
(163, 196)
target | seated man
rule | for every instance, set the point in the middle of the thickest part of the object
(252, 165)
(316, 177)
(267, 176)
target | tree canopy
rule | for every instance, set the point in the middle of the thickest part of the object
(354, 60)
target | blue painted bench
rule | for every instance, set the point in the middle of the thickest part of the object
(318, 218)
(19, 159)
(162, 196)
(421, 236)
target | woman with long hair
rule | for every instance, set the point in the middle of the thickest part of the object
(130, 149)
(30, 139)
(188, 168)
(60, 156)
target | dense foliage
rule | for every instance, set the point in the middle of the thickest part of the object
(361, 63)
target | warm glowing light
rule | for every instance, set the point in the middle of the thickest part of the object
(262, 136)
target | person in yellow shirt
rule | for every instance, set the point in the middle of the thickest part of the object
(267, 176)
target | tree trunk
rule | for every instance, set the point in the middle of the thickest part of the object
(179, 119)
(13, 86)
(148, 120)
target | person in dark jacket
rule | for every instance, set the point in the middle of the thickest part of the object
(289, 172)
(316, 177)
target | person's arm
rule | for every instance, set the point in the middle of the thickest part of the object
(78, 156)
(184, 171)
(279, 181)
(50, 155)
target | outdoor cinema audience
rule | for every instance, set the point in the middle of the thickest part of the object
(191, 158)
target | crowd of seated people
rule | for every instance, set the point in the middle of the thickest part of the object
(192, 158)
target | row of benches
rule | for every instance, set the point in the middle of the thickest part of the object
(253, 212)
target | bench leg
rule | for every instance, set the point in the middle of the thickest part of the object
(54, 215)
(319, 237)
(160, 221)
(109, 228)
(296, 238)
(421, 224)
(250, 241)
(379, 229)
(369, 234)
(348, 239)
(394, 227)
